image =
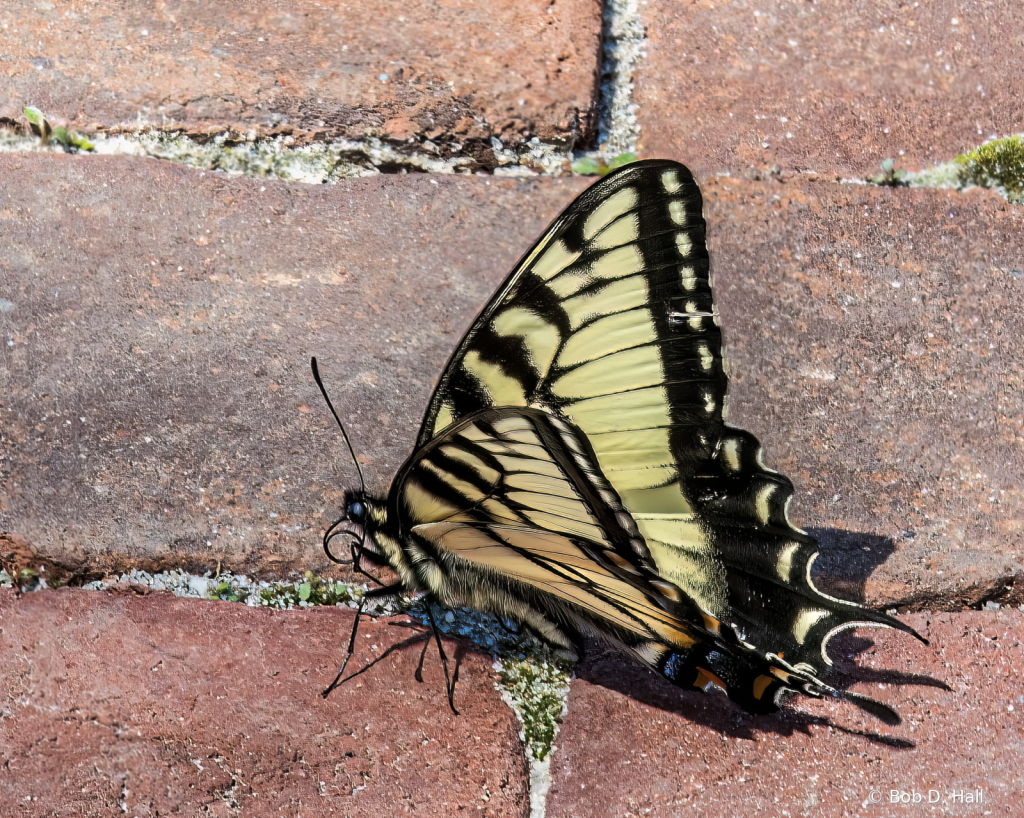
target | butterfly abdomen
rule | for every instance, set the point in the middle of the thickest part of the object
(746, 681)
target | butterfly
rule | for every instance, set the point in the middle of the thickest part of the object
(575, 472)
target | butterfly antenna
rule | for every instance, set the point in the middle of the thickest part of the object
(344, 434)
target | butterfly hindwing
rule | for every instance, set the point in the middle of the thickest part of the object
(510, 497)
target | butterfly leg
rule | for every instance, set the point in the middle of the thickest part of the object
(449, 680)
(375, 593)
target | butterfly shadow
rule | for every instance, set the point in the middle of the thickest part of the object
(455, 649)
(846, 559)
(713, 709)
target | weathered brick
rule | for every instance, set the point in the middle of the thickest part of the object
(830, 88)
(448, 72)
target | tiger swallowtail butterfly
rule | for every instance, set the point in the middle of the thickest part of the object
(575, 473)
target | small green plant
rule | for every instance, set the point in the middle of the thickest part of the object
(588, 166)
(889, 177)
(998, 164)
(308, 593)
(229, 592)
(313, 591)
(68, 139)
(38, 123)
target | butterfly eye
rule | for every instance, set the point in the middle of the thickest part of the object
(356, 512)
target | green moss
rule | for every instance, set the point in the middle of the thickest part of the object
(537, 692)
(314, 591)
(229, 592)
(998, 164)
(889, 177)
(29, 579)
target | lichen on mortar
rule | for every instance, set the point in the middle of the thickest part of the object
(282, 157)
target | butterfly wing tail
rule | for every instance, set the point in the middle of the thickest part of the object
(754, 684)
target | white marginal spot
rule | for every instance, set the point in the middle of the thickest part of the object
(688, 277)
(760, 462)
(683, 244)
(709, 402)
(846, 626)
(784, 564)
(677, 210)
(670, 181)
(731, 454)
(764, 494)
(785, 513)
(707, 360)
(805, 621)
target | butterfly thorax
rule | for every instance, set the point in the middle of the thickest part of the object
(379, 543)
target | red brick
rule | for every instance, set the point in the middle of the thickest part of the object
(164, 706)
(875, 339)
(883, 428)
(157, 404)
(663, 751)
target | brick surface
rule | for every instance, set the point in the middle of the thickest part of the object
(832, 88)
(665, 752)
(155, 705)
(447, 71)
(162, 706)
(157, 406)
